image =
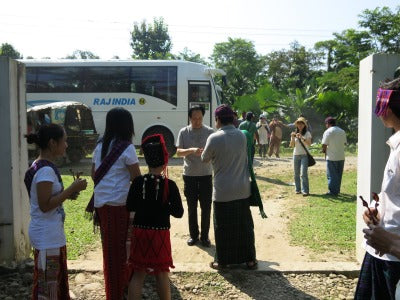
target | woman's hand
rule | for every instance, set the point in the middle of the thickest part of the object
(370, 220)
(78, 185)
(382, 240)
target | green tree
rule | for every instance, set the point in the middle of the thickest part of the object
(351, 47)
(383, 26)
(292, 69)
(344, 79)
(327, 49)
(151, 41)
(82, 54)
(343, 106)
(266, 98)
(189, 55)
(9, 51)
(242, 65)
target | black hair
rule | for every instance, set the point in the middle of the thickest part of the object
(249, 116)
(45, 133)
(119, 126)
(197, 107)
(226, 120)
(304, 130)
(393, 85)
(331, 122)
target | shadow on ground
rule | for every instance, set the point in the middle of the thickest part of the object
(272, 180)
(261, 285)
(340, 197)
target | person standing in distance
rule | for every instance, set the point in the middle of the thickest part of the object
(263, 135)
(333, 142)
(250, 126)
(197, 175)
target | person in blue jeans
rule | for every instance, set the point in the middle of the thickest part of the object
(333, 143)
(300, 159)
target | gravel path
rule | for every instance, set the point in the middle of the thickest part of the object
(233, 284)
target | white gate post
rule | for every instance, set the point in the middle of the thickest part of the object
(14, 202)
(372, 135)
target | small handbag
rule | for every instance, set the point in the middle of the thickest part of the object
(311, 160)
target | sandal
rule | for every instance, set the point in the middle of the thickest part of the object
(216, 266)
(252, 265)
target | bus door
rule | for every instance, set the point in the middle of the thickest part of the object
(199, 94)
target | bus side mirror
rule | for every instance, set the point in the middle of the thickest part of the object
(224, 81)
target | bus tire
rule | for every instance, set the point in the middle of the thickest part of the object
(168, 137)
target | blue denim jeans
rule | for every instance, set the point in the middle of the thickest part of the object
(300, 163)
(334, 172)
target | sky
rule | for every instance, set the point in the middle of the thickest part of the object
(56, 28)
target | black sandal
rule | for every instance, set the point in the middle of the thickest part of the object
(252, 265)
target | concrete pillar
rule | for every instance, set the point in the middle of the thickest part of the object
(372, 135)
(14, 201)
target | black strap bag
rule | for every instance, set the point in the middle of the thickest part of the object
(311, 160)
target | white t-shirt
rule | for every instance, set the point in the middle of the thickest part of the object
(263, 132)
(298, 148)
(46, 229)
(335, 138)
(389, 198)
(113, 188)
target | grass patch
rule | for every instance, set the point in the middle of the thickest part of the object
(78, 229)
(325, 223)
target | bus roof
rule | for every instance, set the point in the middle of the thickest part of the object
(101, 62)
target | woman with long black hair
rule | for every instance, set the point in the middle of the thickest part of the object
(115, 165)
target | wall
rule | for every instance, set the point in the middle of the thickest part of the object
(14, 202)
(372, 135)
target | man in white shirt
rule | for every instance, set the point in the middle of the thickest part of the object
(333, 142)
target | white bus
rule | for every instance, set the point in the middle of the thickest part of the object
(158, 93)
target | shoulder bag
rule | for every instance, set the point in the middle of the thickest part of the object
(311, 160)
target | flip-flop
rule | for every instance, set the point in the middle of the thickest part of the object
(216, 266)
(252, 265)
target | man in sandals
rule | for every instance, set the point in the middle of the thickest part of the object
(226, 149)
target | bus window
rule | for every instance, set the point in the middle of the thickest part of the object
(107, 79)
(55, 80)
(160, 82)
(199, 92)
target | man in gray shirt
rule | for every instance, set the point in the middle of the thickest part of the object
(197, 175)
(226, 149)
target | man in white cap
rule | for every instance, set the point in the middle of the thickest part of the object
(263, 136)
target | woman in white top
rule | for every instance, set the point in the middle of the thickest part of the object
(300, 159)
(46, 228)
(380, 271)
(110, 195)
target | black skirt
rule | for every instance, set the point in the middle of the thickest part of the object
(234, 232)
(378, 278)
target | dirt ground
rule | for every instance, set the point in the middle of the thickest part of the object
(272, 242)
